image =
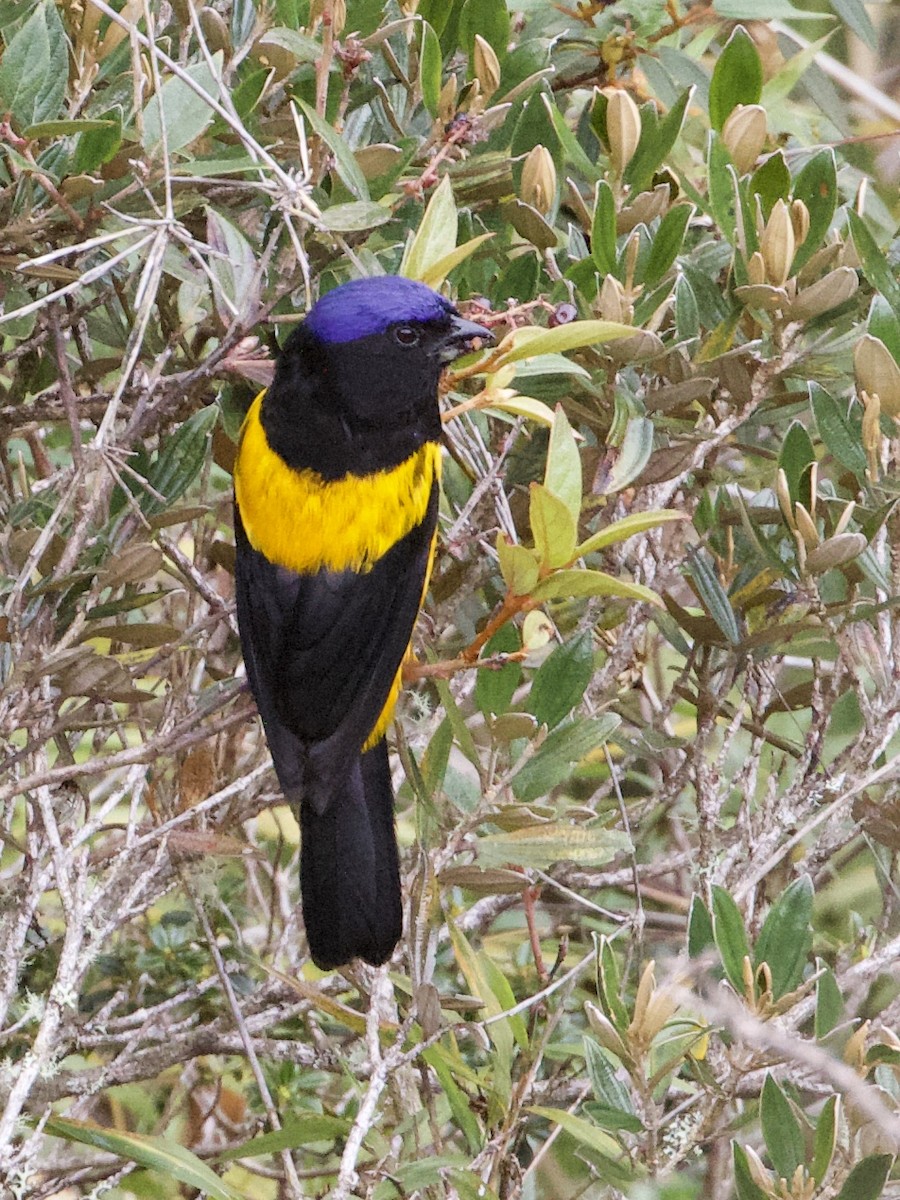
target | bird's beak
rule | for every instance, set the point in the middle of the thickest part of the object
(460, 337)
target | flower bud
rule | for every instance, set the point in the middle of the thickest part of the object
(623, 128)
(799, 221)
(871, 434)
(834, 552)
(744, 135)
(877, 373)
(538, 184)
(611, 302)
(447, 100)
(806, 526)
(756, 268)
(485, 66)
(777, 244)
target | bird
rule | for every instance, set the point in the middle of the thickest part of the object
(336, 488)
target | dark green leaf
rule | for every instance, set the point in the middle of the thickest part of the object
(796, 459)
(867, 1179)
(667, 242)
(816, 186)
(730, 936)
(840, 433)
(786, 936)
(687, 317)
(97, 146)
(567, 744)
(603, 230)
(561, 680)
(344, 163)
(781, 1129)
(829, 1001)
(657, 139)
(877, 270)
(34, 69)
(179, 110)
(494, 689)
(746, 1186)
(298, 1130)
(490, 19)
(825, 1139)
(179, 461)
(700, 934)
(884, 324)
(608, 1089)
(712, 595)
(430, 64)
(737, 77)
(722, 181)
(771, 181)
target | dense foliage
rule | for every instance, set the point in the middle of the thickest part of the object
(651, 840)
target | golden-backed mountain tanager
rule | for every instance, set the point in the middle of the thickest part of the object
(336, 501)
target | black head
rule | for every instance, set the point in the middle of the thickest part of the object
(356, 384)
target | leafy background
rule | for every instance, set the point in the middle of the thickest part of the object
(650, 843)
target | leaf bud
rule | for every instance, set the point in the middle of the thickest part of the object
(485, 66)
(877, 373)
(756, 268)
(611, 302)
(777, 244)
(744, 135)
(623, 128)
(447, 101)
(831, 290)
(835, 551)
(538, 183)
(871, 434)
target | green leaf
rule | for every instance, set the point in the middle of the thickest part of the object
(764, 10)
(612, 1160)
(34, 69)
(796, 459)
(561, 680)
(786, 936)
(722, 183)
(563, 584)
(667, 242)
(460, 1104)
(737, 77)
(178, 109)
(853, 14)
(541, 846)
(633, 454)
(771, 181)
(355, 216)
(154, 1153)
(745, 1185)
(700, 934)
(98, 145)
(562, 475)
(877, 270)
(552, 763)
(436, 236)
(472, 966)
(884, 324)
(570, 144)
(817, 187)
(713, 596)
(829, 1001)
(490, 19)
(298, 1130)
(781, 1129)
(607, 1087)
(628, 527)
(730, 936)
(603, 230)
(346, 166)
(825, 1139)
(494, 689)
(179, 460)
(431, 62)
(435, 275)
(518, 566)
(553, 527)
(530, 340)
(657, 139)
(867, 1179)
(304, 48)
(841, 435)
(232, 265)
(687, 314)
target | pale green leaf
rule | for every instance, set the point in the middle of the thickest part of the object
(435, 238)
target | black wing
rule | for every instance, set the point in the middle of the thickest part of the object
(322, 651)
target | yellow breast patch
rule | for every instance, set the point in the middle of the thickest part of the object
(303, 522)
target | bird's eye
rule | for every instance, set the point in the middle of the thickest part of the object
(406, 335)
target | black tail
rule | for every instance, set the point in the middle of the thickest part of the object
(349, 871)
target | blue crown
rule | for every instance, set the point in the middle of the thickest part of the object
(364, 307)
